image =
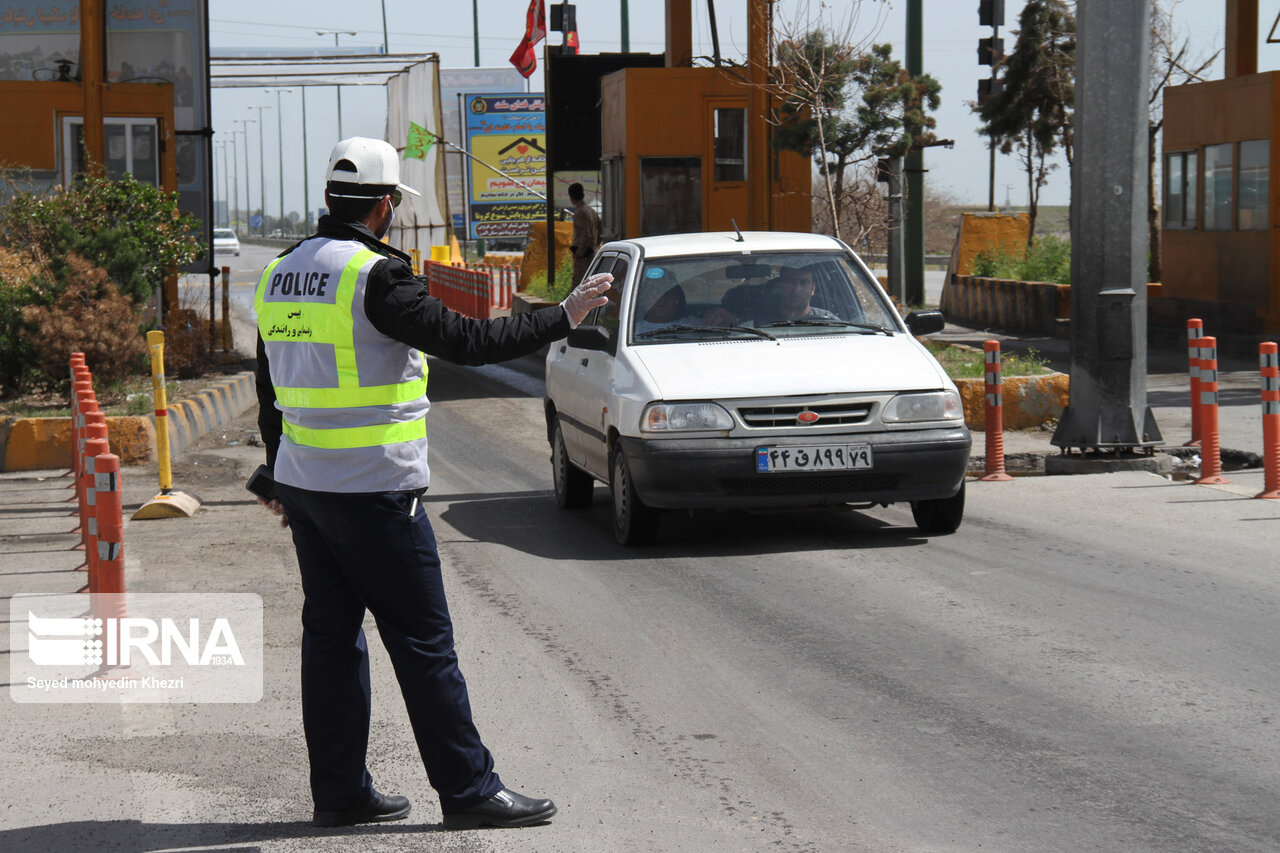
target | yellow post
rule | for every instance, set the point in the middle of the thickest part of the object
(155, 341)
(167, 504)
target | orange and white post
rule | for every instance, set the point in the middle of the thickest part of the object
(994, 466)
(1210, 448)
(1195, 331)
(1269, 364)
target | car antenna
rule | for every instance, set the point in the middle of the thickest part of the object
(739, 230)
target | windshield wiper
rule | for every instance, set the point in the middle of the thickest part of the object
(881, 330)
(680, 327)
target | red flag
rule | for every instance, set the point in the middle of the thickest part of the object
(525, 58)
(571, 42)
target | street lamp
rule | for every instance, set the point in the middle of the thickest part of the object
(244, 130)
(221, 145)
(262, 175)
(335, 34)
(280, 144)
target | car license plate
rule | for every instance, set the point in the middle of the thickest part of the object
(826, 457)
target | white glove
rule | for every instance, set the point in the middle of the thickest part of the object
(588, 295)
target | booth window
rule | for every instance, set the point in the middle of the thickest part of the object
(1255, 155)
(1217, 187)
(731, 144)
(1180, 190)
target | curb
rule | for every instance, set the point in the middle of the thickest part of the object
(30, 444)
(1029, 401)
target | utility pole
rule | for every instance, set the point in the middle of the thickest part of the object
(626, 28)
(280, 146)
(306, 176)
(475, 28)
(335, 34)
(913, 223)
(1107, 408)
(245, 131)
(262, 174)
(386, 41)
(226, 192)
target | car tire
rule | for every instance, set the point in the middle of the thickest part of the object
(573, 485)
(634, 522)
(939, 516)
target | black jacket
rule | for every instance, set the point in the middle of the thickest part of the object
(397, 305)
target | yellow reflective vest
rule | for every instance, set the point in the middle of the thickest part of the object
(353, 401)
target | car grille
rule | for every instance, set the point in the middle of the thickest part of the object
(835, 414)
(771, 484)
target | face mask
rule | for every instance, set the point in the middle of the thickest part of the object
(387, 230)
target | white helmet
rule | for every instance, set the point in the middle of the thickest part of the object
(362, 168)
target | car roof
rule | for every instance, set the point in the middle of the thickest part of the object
(725, 242)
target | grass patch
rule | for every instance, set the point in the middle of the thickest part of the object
(966, 363)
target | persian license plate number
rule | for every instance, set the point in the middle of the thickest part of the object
(827, 457)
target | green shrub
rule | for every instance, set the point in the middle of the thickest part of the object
(1049, 259)
(564, 283)
(132, 230)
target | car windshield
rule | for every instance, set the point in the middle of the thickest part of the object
(780, 294)
(224, 233)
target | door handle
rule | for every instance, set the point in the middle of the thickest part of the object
(583, 362)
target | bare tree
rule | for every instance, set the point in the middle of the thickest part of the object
(810, 82)
(1171, 65)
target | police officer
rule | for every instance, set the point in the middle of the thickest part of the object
(343, 324)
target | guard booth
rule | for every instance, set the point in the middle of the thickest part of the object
(1220, 229)
(675, 157)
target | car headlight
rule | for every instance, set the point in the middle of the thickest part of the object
(672, 417)
(917, 408)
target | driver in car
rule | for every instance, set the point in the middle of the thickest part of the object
(794, 291)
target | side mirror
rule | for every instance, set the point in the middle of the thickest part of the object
(925, 322)
(589, 337)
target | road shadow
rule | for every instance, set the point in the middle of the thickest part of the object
(140, 836)
(531, 523)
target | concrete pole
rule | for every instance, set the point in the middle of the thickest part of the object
(897, 278)
(913, 217)
(1107, 408)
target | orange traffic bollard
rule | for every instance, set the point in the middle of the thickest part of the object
(1269, 364)
(96, 429)
(106, 477)
(1195, 331)
(94, 447)
(1210, 449)
(995, 414)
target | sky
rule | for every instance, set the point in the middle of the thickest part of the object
(951, 34)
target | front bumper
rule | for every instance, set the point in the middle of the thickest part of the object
(721, 472)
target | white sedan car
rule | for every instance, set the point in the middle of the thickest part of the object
(756, 370)
(225, 240)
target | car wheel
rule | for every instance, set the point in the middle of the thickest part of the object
(634, 523)
(942, 515)
(573, 485)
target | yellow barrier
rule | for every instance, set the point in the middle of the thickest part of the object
(167, 504)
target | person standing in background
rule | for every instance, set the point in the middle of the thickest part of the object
(586, 232)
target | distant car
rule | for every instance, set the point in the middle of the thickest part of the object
(225, 240)
(753, 371)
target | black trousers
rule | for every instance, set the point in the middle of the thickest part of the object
(358, 551)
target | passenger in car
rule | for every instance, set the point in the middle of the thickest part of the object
(787, 297)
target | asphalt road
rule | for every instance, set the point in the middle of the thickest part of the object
(1088, 664)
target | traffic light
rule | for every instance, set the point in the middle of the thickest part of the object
(991, 13)
(990, 86)
(990, 50)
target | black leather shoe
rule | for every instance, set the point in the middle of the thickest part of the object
(504, 809)
(380, 808)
